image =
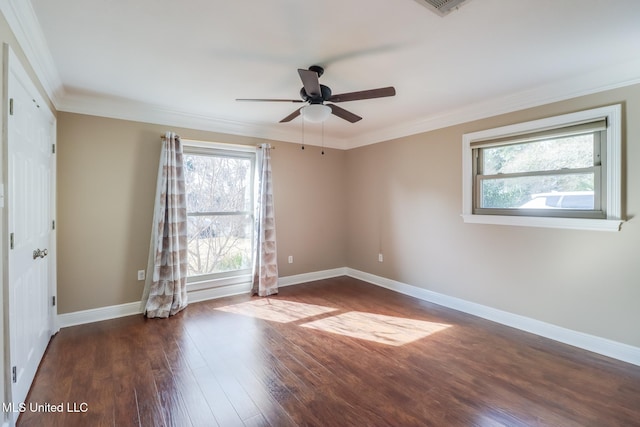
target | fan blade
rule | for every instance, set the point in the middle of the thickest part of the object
(364, 94)
(344, 114)
(291, 116)
(310, 82)
(268, 100)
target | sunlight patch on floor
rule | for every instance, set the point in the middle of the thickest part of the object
(383, 329)
(276, 310)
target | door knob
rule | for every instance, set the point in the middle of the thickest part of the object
(40, 253)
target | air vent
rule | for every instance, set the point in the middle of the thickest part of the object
(441, 7)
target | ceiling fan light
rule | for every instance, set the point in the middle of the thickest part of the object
(315, 113)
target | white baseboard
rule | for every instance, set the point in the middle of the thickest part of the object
(310, 277)
(132, 308)
(614, 349)
(98, 314)
(606, 347)
(218, 292)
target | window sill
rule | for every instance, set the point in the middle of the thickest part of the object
(219, 282)
(546, 222)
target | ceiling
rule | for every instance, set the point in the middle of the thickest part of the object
(184, 63)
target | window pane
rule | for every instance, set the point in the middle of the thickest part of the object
(552, 154)
(218, 184)
(566, 191)
(219, 243)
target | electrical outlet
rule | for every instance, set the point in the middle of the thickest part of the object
(140, 274)
(290, 259)
(380, 258)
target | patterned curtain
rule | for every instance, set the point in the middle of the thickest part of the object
(265, 266)
(165, 291)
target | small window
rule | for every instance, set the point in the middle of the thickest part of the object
(557, 173)
(554, 170)
(220, 201)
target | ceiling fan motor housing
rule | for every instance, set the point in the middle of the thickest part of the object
(325, 94)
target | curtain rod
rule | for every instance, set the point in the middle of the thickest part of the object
(259, 146)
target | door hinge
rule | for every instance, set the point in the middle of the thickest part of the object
(11, 106)
(11, 244)
(14, 374)
(53, 224)
(53, 148)
(53, 300)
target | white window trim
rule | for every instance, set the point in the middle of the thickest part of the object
(218, 145)
(613, 221)
(240, 276)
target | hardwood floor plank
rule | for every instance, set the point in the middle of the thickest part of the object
(181, 363)
(270, 408)
(238, 398)
(222, 409)
(125, 403)
(213, 364)
(256, 421)
(150, 411)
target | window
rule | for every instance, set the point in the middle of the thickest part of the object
(220, 200)
(561, 172)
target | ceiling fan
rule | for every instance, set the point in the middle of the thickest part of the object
(316, 95)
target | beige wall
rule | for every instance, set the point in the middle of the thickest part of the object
(405, 200)
(106, 183)
(400, 197)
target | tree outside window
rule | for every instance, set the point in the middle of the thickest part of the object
(220, 213)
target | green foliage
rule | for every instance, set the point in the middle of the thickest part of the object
(232, 262)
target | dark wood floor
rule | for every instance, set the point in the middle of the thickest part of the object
(208, 367)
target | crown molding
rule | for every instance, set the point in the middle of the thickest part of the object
(126, 109)
(599, 80)
(25, 26)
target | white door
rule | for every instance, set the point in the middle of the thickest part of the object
(30, 189)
